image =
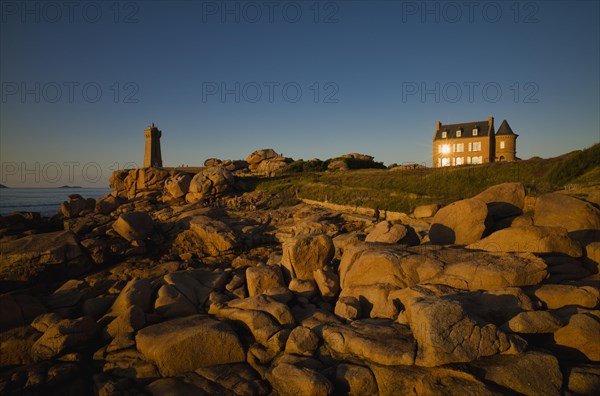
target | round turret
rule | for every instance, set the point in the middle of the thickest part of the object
(506, 143)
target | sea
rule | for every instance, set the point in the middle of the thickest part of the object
(44, 200)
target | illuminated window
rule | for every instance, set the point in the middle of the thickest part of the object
(458, 133)
(445, 161)
(460, 147)
(460, 161)
(445, 149)
(476, 146)
(477, 160)
(444, 135)
(475, 132)
(468, 160)
(501, 145)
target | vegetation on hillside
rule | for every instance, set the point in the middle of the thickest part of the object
(403, 190)
(316, 165)
(574, 165)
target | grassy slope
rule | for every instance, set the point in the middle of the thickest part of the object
(404, 190)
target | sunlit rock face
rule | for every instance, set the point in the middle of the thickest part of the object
(235, 293)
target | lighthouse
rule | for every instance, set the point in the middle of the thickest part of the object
(152, 156)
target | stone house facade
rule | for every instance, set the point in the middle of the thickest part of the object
(473, 143)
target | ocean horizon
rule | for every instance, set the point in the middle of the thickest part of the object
(45, 200)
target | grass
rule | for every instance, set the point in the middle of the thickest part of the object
(575, 165)
(404, 190)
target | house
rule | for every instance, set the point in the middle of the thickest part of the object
(471, 143)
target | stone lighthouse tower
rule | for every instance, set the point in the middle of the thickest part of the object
(152, 156)
(506, 143)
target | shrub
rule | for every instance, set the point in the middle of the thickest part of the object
(294, 167)
(354, 163)
(299, 166)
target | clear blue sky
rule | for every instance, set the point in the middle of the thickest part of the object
(168, 63)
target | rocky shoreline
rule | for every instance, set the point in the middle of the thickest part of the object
(180, 283)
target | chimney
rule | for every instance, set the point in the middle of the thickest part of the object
(490, 121)
(438, 125)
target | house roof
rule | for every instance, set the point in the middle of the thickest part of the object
(505, 129)
(466, 127)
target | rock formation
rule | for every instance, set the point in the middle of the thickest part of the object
(181, 283)
(266, 162)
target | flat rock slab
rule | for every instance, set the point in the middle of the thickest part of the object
(414, 380)
(529, 373)
(558, 210)
(532, 239)
(376, 273)
(559, 296)
(185, 344)
(377, 341)
(534, 322)
(580, 334)
(472, 270)
(25, 258)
